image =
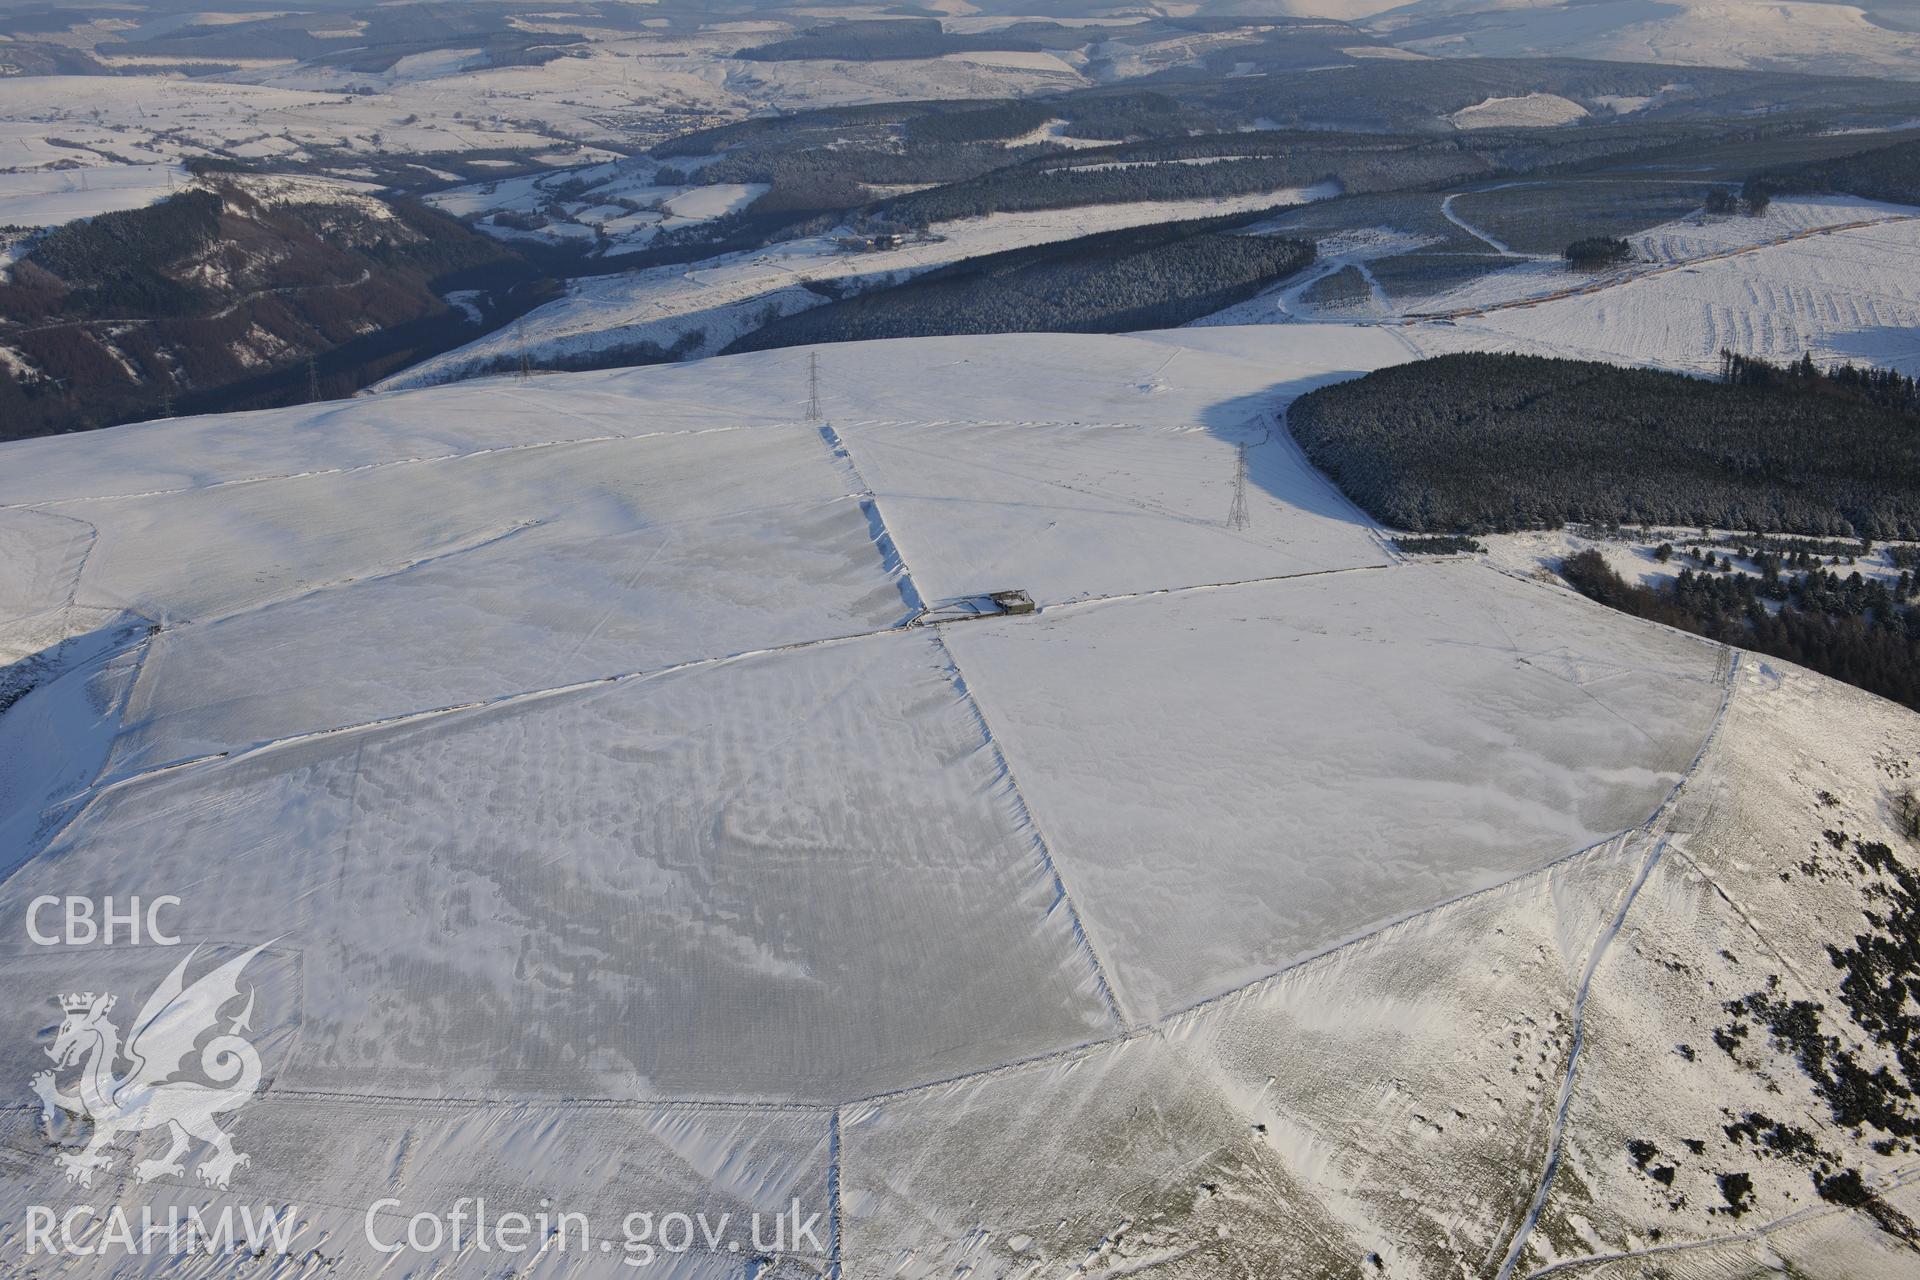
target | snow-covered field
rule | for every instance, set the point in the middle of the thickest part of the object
(630, 818)
(1834, 276)
(1849, 293)
(1535, 110)
(1439, 763)
(1054, 131)
(715, 200)
(48, 198)
(625, 834)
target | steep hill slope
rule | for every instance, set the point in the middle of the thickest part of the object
(219, 296)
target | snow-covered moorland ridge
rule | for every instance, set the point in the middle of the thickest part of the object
(624, 834)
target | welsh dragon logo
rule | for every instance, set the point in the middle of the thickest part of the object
(160, 1045)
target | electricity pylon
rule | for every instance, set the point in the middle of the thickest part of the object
(1237, 514)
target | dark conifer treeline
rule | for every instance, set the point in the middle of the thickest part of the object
(1598, 251)
(1141, 278)
(1884, 173)
(1479, 443)
(1753, 201)
(988, 124)
(1054, 184)
(1445, 544)
(1851, 628)
(1888, 388)
(113, 263)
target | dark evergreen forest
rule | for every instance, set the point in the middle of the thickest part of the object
(1142, 278)
(1885, 173)
(1482, 443)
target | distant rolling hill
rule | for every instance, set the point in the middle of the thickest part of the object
(242, 292)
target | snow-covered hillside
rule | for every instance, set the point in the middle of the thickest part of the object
(1798, 35)
(1833, 278)
(1826, 274)
(50, 197)
(286, 112)
(1830, 276)
(626, 830)
(698, 309)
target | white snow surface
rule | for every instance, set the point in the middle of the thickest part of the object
(52, 197)
(614, 84)
(1780, 35)
(1831, 278)
(1534, 110)
(625, 835)
(715, 200)
(673, 523)
(1462, 732)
